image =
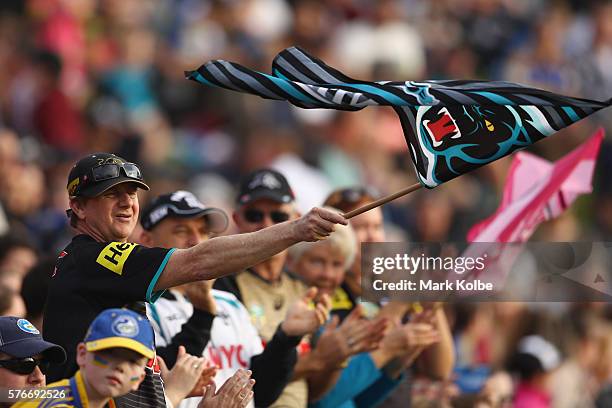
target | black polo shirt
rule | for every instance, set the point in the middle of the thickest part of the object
(89, 277)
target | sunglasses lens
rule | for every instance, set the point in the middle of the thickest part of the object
(253, 215)
(105, 172)
(44, 366)
(256, 216)
(22, 367)
(132, 171)
(279, 216)
(26, 367)
(345, 198)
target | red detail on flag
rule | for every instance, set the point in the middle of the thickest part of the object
(441, 128)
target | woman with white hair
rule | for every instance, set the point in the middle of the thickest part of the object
(366, 378)
(370, 377)
(323, 263)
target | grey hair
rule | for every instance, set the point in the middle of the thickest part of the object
(343, 238)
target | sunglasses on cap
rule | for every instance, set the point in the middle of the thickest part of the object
(255, 216)
(348, 196)
(25, 366)
(113, 170)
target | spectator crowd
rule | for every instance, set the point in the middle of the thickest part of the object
(84, 76)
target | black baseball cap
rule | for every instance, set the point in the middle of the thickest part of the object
(20, 339)
(265, 183)
(96, 173)
(185, 205)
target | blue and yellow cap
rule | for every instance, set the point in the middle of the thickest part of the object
(121, 328)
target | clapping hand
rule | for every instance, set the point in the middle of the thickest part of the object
(236, 392)
(355, 335)
(302, 318)
(187, 376)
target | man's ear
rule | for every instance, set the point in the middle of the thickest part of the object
(81, 354)
(77, 205)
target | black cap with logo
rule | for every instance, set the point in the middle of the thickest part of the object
(20, 339)
(96, 173)
(265, 183)
(182, 204)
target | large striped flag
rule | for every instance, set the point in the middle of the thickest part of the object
(451, 126)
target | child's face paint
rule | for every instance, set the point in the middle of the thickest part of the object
(100, 361)
(115, 371)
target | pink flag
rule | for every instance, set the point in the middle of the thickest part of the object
(537, 190)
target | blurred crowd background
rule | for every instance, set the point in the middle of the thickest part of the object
(82, 75)
(79, 76)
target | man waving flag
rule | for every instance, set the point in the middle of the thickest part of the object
(451, 126)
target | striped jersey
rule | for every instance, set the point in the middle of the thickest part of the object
(74, 395)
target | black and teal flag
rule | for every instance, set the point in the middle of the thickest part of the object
(451, 126)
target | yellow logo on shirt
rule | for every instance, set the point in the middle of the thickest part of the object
(114, 255)
(341, 301)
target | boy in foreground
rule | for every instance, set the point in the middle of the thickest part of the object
(111, 359)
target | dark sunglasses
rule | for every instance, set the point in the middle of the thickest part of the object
(348, 196)
(25, 366)
(254, 216)
(113, 170)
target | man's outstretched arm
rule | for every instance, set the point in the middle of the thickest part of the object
(224, 255)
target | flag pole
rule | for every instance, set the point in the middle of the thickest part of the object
(382, 201)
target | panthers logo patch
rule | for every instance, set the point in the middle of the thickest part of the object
(451, 140)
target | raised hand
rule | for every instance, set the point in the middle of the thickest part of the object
(362, 335)
(188, 371)
(327, 350)
(427, 314)
(200, 295)
(236, 392)
(409, 339)
(355, 335)
(302, 318)
(317, 224)
(206, 378)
